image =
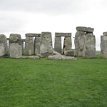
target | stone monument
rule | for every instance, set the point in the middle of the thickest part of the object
(85, 42)
(37, 44)
(67, 43)
(29, 44)
(15, 46)
(3, 45)
(104, 44)
(46, 44)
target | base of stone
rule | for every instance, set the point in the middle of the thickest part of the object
(30, 57)
(104, 55)
(69, 53)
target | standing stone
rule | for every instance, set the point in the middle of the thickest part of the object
(80, 43)
(57, 45)
(85, 42)
(90, 45)
(3, 45)
(37, 43)
(15, 45)
(46, 44)
(29, 44)
(104, 45)
(67, 44)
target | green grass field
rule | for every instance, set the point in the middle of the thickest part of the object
(50, 83)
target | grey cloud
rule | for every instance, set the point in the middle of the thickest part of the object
(10, 24)
(44, 6)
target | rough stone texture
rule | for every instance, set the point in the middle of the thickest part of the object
(3, 45)
(46, 44)
(90, 46)
(15, 45)
(85, 43)
(69, 53)
(80, 44)
(29, 44)
(58, 56)
(30, 57)
(67, 44)
(104, 46)
(37, 43)
(85, 29)
(57, 45)
(105, 33)
(59, 34)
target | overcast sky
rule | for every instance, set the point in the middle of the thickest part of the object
(35, 16)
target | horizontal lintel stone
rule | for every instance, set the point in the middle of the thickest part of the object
(33, 34)
(105, 33)
(57, 34)
(85, 29)
(2, 38)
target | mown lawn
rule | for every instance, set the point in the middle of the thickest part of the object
(50, 83)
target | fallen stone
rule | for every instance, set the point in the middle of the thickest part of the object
(69, 52)
(30, 57)
(61, 57)
(58, 56)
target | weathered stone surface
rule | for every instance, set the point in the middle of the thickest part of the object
(90, 46)
(85, 29)
(105, 33)
(57, 45)
(85, 44)
(59, 34)
(79, 45)
(32, 34)
(15, 38)
(46, 44)
(67, 44)
(37, 43)
(15, 45)
(58, 56)
(69, 53)
(30, 57)
(15, 50)
(29, 45)
(3, 45)
(104, 46)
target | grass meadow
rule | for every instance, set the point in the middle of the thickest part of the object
(53, 83)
